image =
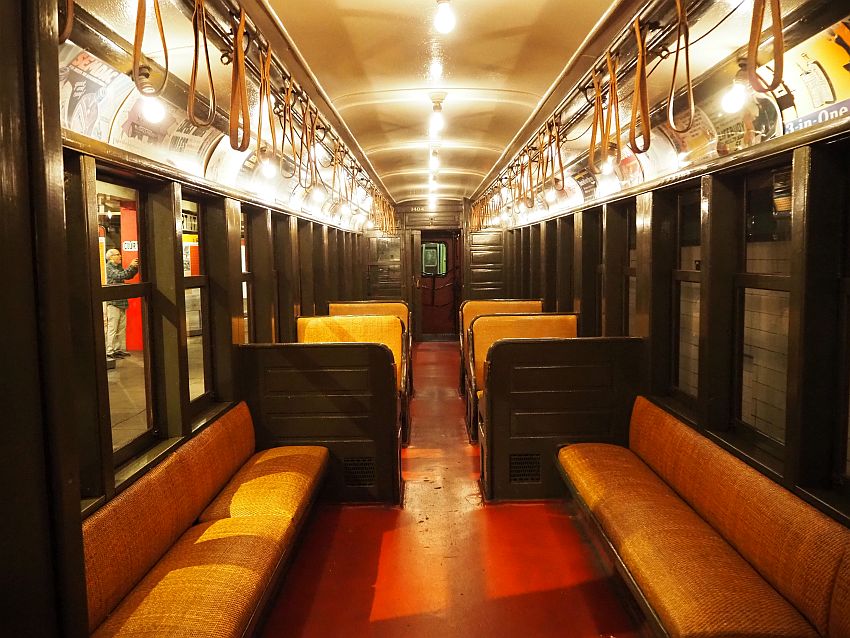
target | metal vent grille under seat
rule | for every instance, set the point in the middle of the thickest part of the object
(525, 468)
(359, 471)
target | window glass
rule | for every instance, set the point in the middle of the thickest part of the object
(192, 265)
(245, 319)
(119, 234)
(195, 345)
(632, 221)
(769, 223)
(690, 251)
(687, 374)
(385, 248)
(244, 245)
(434, 259)
(129, 405)
(765, 361)
(246, 269)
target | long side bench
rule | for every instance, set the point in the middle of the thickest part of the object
(195, 547)
(485, 330)
(341, 396)
(708, 545)
(543, 393)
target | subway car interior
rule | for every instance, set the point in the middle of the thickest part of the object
(425, 318)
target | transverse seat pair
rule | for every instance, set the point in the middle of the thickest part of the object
(385, 323)
(483, 322)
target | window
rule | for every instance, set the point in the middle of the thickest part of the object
(247, 281)
(631, 221)
(196, 295)
(764, 301)
(124, 295)
(686, 294)
(434, 259)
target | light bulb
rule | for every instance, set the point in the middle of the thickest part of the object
(608, 166)
(434, 162)
(345, 209)
(370, 224)
(318, 196)
(436, 124)
(506, 217)
(435, 70)
(444, 19)
(432, 202)
(734, 99)
(551, 195)
(153, 110)
(268, 168)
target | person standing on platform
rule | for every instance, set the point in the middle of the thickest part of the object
(116, 310)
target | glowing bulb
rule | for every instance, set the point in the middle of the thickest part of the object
(435, 70)
(436, 124)
(551, 196)
(370, 224)
(153, 110)
(268, 168)
(506, 217)
(444, 19)
(434, 162)
(432, 202)
(318, 196)
(608, 166)
(345, 209)
(734, 99)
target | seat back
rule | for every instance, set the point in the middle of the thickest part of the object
(384, 329)
(485, 330)
(125, 538)
(472, 308)
(396, 308)
(796, 548)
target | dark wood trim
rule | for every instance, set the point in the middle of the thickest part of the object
(722, 205)
(690, 276)
(321, 268)
(587, 258)
(306, 265)
(120, 291)
(763, 282)
(549, 265)
(224, 240)
(536, 274)
(819, 205)
(264, 288)
(615, 264)
(565, 247)
(166, 350)
(286, 266)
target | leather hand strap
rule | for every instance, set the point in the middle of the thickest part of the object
(288, 126)
(141, 17)
(640, 100)
(239, 91)
(556, 128)
(682, 33)
(266, 98)
(598, 125)
(199, 27)
(69, 21)
(613, 110)
(778, 46)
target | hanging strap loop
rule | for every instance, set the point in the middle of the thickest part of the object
(598, 126)
(682, 33)
(613, 109)
(778, 46)
(640, 100)
(266, 98)
(239, 91)
(65, 33)
(199, 27)
(141, 72)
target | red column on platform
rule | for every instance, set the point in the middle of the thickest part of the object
(130, 251)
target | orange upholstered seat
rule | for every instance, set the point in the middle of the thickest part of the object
(208, 583)
(384, 329)
(146, 575)
(473, 308)
(717, 548)
(696, 583)
(395, 308)
(275, 482)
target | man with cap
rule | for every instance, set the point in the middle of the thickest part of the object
(116, 310)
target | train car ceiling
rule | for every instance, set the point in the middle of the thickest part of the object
(488, 112)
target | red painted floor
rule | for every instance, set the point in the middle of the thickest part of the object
(445, 565)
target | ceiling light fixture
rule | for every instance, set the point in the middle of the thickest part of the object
(735, 98)
(153, 110)
(434, 161)
(435, 70)
(444, 19)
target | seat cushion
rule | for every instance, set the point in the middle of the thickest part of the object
(276, 482)
(694, 580)
(208, 584)
(795, 547)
